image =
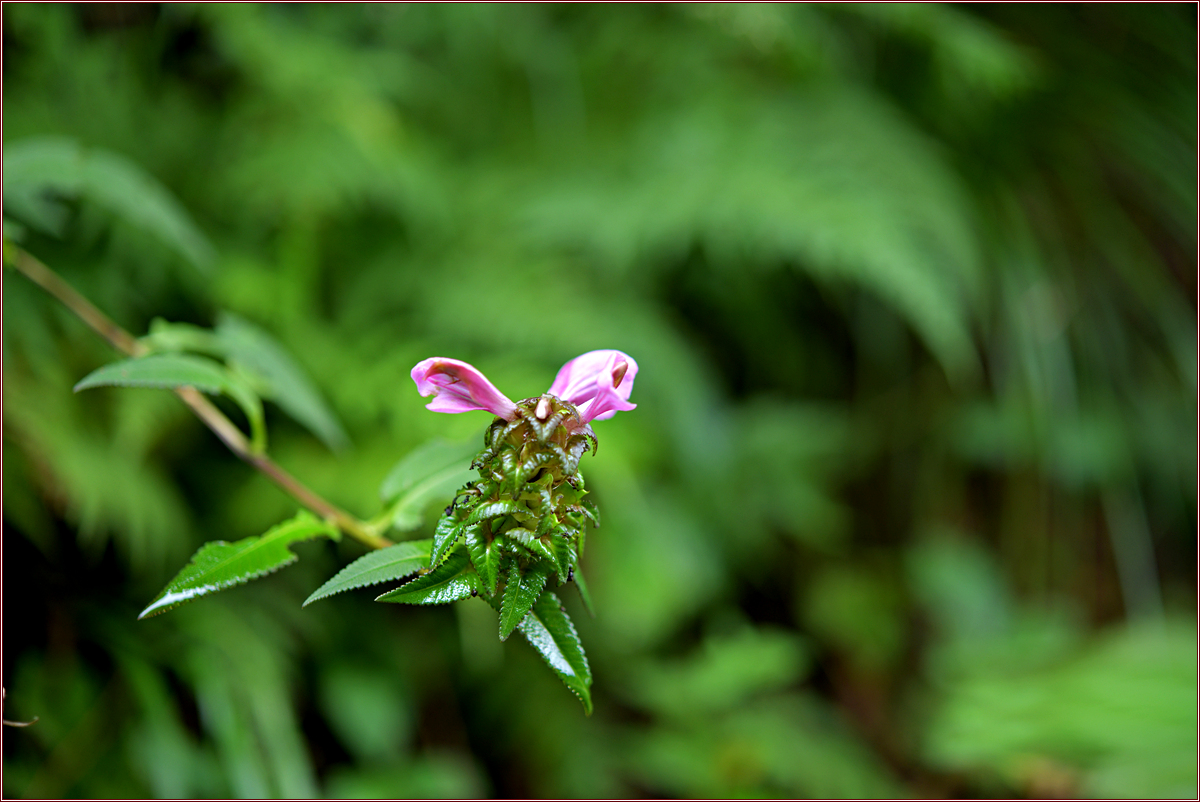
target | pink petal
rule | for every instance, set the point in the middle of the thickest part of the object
(587, 381)
(459, 387)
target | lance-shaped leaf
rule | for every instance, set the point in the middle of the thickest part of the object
(286, 382)
(445, 535)
(565, 557)
(385, 565)
(219, 565)
(452, 580)
(485, 556)
(523, 587)
(169, 371)
(260, 362)
(429, 472)
(549, 630)
(162, 371)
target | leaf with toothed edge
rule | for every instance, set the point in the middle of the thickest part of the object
(495, 510)
(550, 631)
(534, 544)
(564, 556)
(523, 587)
(219, 565)
(385, 565)
(592, 511)
(452, 580)
(445, 535)
(485, 557)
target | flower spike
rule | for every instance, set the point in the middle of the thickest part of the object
(519, 530)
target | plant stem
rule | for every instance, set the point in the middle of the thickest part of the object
(205, 410)
(49, 281)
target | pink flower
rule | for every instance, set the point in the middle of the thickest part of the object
(459, 387)
(598, 384)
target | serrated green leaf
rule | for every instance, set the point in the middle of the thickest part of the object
(445, 535)
(565, 557)
(523, 587)
(495, 510)
(434, 470)
(532, 542)
(161, 371)
(219, 565)
(284, 382)
(394, 562)
(531, 466)
(485, 556)
(550, 631)
(450, 581)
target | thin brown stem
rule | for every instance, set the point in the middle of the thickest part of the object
(204, 409)
(49, 281)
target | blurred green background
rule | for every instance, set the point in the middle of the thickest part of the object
(908, 504)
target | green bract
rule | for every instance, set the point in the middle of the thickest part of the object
(518, 531)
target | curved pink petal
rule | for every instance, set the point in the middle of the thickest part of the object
(459, 387)
(598, 383)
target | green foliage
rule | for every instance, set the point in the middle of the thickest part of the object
(179, 370)
(39, 171)
(163, 370)
(523, 521)
(485, 554)
(220, 565)
(730, 671)
(253, 350)
(445, 536)
(394, 562)
(1120, 714)
(256, 359)
(430, 472)
(910, 484)
(551, 633)
(522, 587)
(450, 581)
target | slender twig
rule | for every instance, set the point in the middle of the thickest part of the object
(204, 409)
(49, 281)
